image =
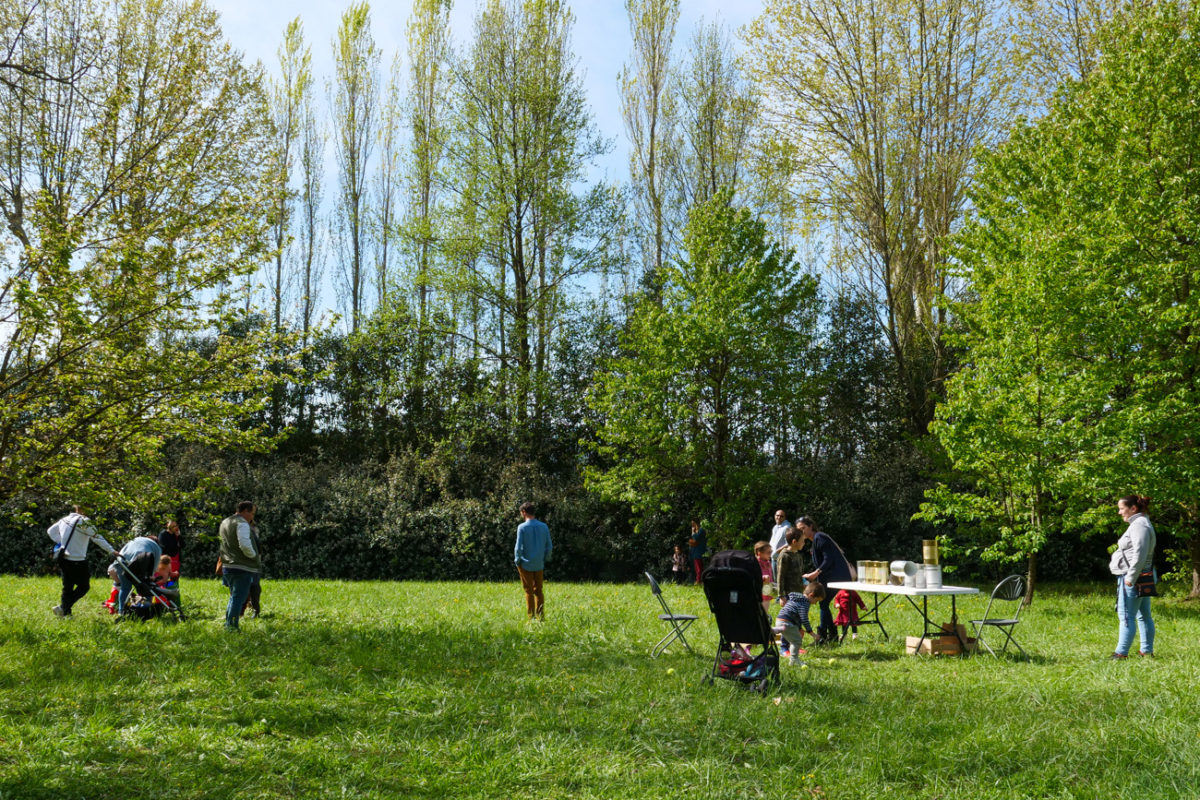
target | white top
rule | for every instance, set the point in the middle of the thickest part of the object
(76, 531)
(779, 535)
(911, 591)
(1135, 549)
(244, 540)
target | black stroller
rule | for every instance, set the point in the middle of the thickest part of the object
(733, 586)
(151, 599)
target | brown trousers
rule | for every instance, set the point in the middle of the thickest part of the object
(531, 582)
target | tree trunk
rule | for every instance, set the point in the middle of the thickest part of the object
(1031, 580)
(1194, 559)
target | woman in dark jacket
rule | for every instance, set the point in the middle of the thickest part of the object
(829, 564)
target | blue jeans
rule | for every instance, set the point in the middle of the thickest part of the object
(1129, 606)
(142, 565)
(239, 582)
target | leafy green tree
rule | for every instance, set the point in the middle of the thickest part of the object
(133, 183)
(1082, 373)
(683, 406)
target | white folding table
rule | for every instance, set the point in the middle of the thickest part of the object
(882, 591)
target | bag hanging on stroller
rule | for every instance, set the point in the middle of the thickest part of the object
(733, 587)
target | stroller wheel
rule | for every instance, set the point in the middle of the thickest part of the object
(706, 680)
(762, 687)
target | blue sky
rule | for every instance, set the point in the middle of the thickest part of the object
(601, 40)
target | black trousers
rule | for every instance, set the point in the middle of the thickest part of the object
(76, 582)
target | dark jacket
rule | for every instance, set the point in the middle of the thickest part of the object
(828, 558)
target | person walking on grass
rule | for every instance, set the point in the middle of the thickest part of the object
(1133, 556)
(530, 555)
(73, 533)
(241, 563)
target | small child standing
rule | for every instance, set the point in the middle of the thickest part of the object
(793, 617)
(679, 565)
(762, 551)
(111, 602)
(848, 603)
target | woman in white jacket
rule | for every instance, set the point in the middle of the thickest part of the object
(1134, 555)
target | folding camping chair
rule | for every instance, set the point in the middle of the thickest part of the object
(678, 622)
(1010, 591)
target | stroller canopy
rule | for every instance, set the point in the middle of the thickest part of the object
(729, 568)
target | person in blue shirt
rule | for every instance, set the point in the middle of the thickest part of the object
(697, 546)
(530, 554)
(141, 555)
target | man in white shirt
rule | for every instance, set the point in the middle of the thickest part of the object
(779, 536)
(779, 543)
(73, 533)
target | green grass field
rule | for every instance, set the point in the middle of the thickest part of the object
(435, 690)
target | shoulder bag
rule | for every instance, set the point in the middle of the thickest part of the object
(1146, 584)
(60, 549)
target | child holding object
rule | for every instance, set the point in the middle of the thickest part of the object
(793, 617)
(848, 603)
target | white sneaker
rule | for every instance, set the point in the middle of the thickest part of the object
(58, 611)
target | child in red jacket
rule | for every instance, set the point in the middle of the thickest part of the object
(848, 603)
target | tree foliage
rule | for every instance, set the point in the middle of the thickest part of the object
(685, 409)
(132, 184)
(1082, 380)
(883, 105)
(523, 140)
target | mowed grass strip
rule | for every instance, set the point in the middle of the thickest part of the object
(435, 690)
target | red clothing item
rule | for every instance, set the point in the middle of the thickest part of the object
(848, 603)
(765, 566)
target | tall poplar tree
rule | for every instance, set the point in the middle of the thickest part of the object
(645, 108)
(884, 105)
(288, 97)
(523, 139)
(355, 109)
(428, 87)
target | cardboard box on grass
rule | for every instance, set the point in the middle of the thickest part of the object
(946, 644)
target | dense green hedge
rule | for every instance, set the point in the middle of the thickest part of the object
(372, 520)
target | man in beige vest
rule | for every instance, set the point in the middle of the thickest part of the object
(241, 564)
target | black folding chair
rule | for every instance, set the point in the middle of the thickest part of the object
(1010, 593)
(678, 622)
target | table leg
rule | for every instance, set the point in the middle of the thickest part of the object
(872, 616)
